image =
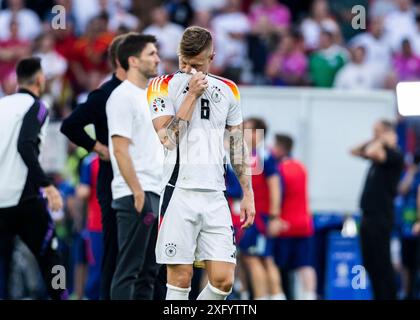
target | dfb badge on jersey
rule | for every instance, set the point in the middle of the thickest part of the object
(215, 94)
(158, 105)
(170, 249)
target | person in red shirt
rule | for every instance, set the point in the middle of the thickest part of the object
(255, 247)
(87, 190)
(90, 52)
(294, 227)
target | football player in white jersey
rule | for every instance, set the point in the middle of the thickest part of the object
(191, 111)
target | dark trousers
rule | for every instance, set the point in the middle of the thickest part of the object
(31, 221)
(375, 236)
(110, 244)
(160, 284)
(6, 251)
(137, 269)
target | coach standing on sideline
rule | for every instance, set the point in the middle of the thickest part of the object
(23, 211)
(93, 112)
(137, 163)
(377, 206)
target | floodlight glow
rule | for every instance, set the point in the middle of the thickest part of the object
(408, 98)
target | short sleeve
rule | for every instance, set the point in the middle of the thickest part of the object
(234, 117)
(120, 114)
(158, 97)
(270, 166)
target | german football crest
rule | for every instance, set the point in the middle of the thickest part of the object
(158, 105)
(215, 94)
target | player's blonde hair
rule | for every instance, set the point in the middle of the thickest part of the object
(194, 41)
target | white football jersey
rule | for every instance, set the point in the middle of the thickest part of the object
(200, 159)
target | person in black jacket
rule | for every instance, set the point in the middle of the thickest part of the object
(377, 204)
(93, 112)
(23, 210)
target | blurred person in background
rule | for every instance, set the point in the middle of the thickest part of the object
(359, 74)
(400, 24)
(29, 24)
(320, 19)
(12, 49)
(90, 52)
(376, 44)
(269, 16)
(256, 246)
(168, 35)
(325, 62)
(293, 227)
(381, 8)
(230, 28)
(180, 12)
(288, 64)
(269, 19)
(93, 112)
(87, 191)
(208, 5)
(8, 85)
(84, 11)
(54, 64)
(377, 207)
(415, 38)
(409, 217)
(406, 63)
(23, 211)
(122, 18)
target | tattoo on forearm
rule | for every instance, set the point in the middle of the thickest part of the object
(174, 130)
(239, 156)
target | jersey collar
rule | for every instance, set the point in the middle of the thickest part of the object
(22, 90)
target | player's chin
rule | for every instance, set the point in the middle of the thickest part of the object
(153, 72)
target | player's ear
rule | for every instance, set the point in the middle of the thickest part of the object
(212, 56)
(132, 61)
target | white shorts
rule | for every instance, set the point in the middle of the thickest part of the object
(195, 226)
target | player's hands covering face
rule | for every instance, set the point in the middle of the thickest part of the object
(198, 83)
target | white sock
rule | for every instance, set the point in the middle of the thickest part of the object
(175, 293)
(212, 293)
(263, 298)
(244, 295)
(308, 295)
(278, 296)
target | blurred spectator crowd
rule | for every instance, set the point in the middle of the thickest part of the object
(257, 42)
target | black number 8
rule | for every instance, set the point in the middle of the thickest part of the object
(205, 109)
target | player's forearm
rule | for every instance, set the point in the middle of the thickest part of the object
(358, 151)
(177, 125)
(125, 164)
(239, 159)
(187, 107)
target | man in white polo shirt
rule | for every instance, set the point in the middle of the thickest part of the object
(137, 159)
